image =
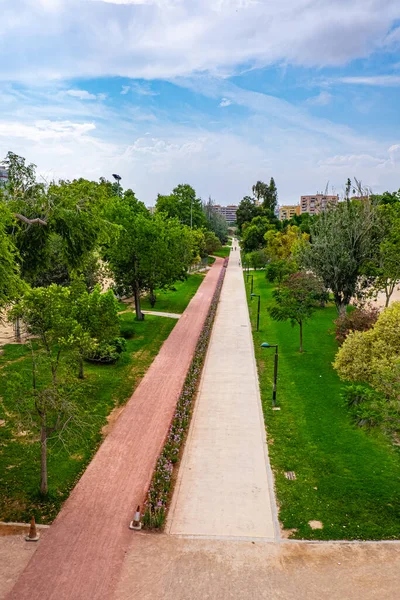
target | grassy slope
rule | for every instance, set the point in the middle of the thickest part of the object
(223, 252)
(176, 300)
(106, 387)
(347, 478)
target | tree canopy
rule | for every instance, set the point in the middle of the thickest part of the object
(182, 204)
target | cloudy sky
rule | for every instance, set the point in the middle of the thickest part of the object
(215, 93)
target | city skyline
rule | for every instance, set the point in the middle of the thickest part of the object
(214, 94)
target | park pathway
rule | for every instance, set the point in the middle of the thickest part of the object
(81, 556)
(224, 486)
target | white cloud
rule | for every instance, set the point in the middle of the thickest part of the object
(81, 94)
(142, 89)
(164, 39)
(374, 80)
(225, 102)
(323, 99)
(45, 130)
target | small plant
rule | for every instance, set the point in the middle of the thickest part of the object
(360, 319)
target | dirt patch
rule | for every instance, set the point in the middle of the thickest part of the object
(315, 524)
(287, 533)
(111, 420)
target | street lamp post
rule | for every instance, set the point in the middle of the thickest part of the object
(266, 345)
(252, 281)
(117, 179)
(258, 308)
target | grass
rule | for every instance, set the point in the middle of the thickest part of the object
(106, 387)
(223, 252)
(348, 478)
(176, 299)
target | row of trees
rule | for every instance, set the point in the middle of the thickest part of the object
(350, 253)
(58, 242)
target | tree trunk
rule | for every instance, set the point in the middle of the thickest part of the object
(43, 457)
(301, 336)
(138, 310)
(81, 374)
(18, 329)
(152, 298)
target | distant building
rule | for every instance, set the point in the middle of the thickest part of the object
(229, 212)
(317, 203)
(3, 176)
(288, 211)
(151, 209)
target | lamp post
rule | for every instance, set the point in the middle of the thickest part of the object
(258, 308)
(266, 345)
(252, 281)
(117, 179)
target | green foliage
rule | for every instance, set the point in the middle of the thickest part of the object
(253, 235)
(215, 222)
(266, 194)
(10, 282)
(246, 212)
(183, 205)
(277, 270)
(347, 477)
(344, 238)
(360, 319)
(373, 356)
(297, 299)
(257, 259)
(212, 242)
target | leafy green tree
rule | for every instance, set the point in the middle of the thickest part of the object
(215, 221)
(183, 205)
(47, 316)
(343, 238)
(253, 234)
(297, 299)
(10, 283)
(96, 320)
(257, 259)
(246, 212)
(286, 244)
(212, 242)
(386, 265)
(373, 356)
(266, 194)
(278, 270)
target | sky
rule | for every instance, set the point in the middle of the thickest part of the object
(214, 93)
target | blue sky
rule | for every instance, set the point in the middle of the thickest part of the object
(215, 93)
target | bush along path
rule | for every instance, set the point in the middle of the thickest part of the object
(160, 491)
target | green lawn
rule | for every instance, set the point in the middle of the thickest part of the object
(347, 478)
(106, 387)
(176, 299)
(223, 252)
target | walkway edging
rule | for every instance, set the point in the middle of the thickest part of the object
(161, 487)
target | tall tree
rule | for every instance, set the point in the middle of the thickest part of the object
(246, 212)
(385, 268)
(215, 222)
(10, 282)
(184, 205)
(343, 238)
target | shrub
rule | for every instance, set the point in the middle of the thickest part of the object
(107, 352)
(369, 408)
(359, 319)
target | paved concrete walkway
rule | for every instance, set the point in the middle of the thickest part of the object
(224, 482)
(83, 551)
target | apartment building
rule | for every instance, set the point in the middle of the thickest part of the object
(229, 212)
(3, 176)
(288, 211)
(317, 203)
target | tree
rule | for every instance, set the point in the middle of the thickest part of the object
(373, 356)
(386, 270)
(215, 221)
(253, 234)
(150, 251)
(96, 321)
(343, 239)
(257, 259)
(246, 212)
(10, 283)
(297, 299)
(183, 205)
(278, 270)
(212, 242)
(285, 244)
(265, 194)
(362, 318)
(46, 314)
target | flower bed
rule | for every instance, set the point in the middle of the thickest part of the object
(160, 490)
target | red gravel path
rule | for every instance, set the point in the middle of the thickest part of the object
(82, 554)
